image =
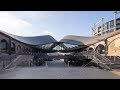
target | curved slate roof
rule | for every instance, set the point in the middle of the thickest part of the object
(78, 40)
(35, 40)
(71, 39)
(84, 40)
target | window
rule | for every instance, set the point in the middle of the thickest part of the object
(58, 47)
(99, 29)
(107, 25)
(118, 24)
(19, 48)
(3, 44)
(118, 21)
(111, 24)
(13, 46)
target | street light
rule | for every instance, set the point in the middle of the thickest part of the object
(102, 26)
(114, 12)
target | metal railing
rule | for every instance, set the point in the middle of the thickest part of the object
(117, 61)
(102, 61)
(6, 59)
(20, 59)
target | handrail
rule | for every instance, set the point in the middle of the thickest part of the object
(117, 58)
(95, 53)
(12, 62)
(16, 61)
(96, 57)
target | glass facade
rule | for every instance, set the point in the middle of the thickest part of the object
(111, 24)
(46, 46)
(58, 47)
(70, 46)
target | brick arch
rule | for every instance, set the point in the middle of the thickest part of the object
(27, 50)
(23, 49)
(85, 49)
(13, 46)
(4, 44)
(113, 41)
(90, 48)
(18, 49)
(100, 49)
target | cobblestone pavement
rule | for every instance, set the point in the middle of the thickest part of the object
(58, 70)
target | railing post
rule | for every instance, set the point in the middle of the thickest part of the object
(3, 64)
(29, 63)
(114, 59)
(87, 54)
(46, 64)
(68, 63)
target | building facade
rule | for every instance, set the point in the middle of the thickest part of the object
(107, 27)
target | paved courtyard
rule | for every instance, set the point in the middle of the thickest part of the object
(57, 70)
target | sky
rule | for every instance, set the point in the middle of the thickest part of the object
(55, 23)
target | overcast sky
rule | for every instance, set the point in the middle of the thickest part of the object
(54, 23)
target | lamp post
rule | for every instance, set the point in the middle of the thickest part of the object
(94, 29)
(102, 26)
(115, 13)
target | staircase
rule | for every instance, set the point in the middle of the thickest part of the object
(97, 58)
(27, 60)
(115, 60)
(20, 59)
(6, 59)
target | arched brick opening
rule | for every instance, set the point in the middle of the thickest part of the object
(91, 49)
(12, 46)
(18, 49)
(4, 44)
(100, 49)
(23, 49)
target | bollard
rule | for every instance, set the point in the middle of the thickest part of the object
(46, 64)
(68, 63)
(3, 64)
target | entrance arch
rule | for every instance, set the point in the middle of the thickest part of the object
(100, 49)
(4, 45)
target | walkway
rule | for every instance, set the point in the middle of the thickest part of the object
(59, 71)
